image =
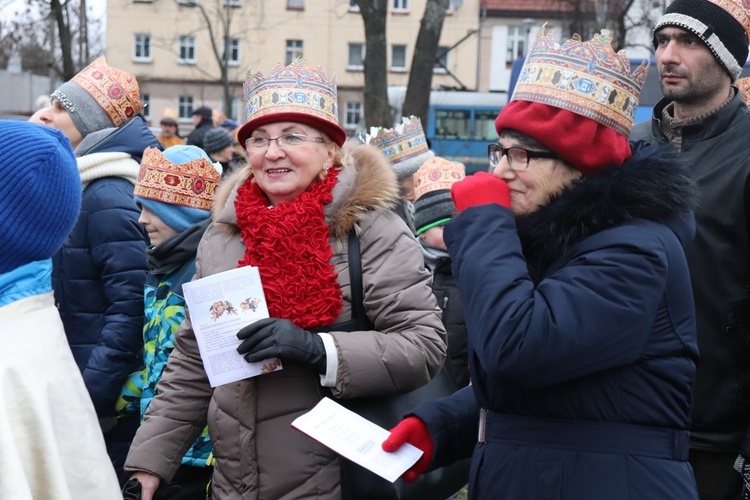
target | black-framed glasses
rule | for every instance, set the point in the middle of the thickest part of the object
(518, 158)
(289, 140)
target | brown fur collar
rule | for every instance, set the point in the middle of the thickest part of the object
(366, 182)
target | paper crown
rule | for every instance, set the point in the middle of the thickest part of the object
(743, 85)
(738, 9)
(295, 92)
(586, 78)
(116, 91)
(191, 184)
(437, 174)
(404, 145)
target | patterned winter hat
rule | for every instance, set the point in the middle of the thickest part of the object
(723, 25)
(293, 93)
(404, 145)
(40, 195)
(178, 185)
(99, 97)
(578, 99)
(432, 190)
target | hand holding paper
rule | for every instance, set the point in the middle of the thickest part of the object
(356, 438)
(280, 338)
(412, 430)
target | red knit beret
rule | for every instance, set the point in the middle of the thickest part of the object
(585, 144)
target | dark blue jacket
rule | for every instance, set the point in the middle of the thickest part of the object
(99, 273)
(582, 341)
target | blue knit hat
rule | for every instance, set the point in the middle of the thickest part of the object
(40, 193)
(177, 185)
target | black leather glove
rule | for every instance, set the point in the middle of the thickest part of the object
(280, 338)
(132, 491)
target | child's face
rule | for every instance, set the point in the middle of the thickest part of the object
(158, 230)
(434, 237)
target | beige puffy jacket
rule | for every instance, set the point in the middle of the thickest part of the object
(258, 455)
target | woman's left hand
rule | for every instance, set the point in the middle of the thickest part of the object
(280, 338)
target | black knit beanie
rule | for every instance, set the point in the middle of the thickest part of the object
(724, 35)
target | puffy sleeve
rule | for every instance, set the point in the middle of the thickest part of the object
(406, 347)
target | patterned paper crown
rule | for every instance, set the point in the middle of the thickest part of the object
(586, 78)
(296, 89)
(116, 91)
(738, 9)
(191, 184)
(404, 145)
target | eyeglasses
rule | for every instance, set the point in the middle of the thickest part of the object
(518, 158)
(290, 140)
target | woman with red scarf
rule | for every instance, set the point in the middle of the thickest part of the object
(290, 213)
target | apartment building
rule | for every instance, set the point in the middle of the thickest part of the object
(167, 45)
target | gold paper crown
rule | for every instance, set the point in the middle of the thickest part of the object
(402, 144)
(586, 78)
(116, 91)
(437, 174)
(296, 88)
(191, 184)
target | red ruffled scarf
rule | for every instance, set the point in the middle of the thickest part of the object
(290, 246)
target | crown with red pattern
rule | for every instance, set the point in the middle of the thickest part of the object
(191, 184)
(99, 97)
(293, 93)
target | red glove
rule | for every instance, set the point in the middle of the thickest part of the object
(480, 189)
(413, 431)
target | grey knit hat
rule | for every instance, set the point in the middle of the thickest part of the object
(404, 145)
(216, 139)
(99, 97)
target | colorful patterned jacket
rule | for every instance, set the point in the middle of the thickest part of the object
(171, 264)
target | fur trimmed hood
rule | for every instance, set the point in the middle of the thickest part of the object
(653, 184)
(366, 182)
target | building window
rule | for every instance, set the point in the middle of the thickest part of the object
(188, 3)
(401, 5)
(451, 7)
(142, 47)
(185, 106)
(398, 57)
(233, 56)
(353, 114)
(295, 4)
(292, 47)
(232, 3)
(356, 58)
(441, 62)
(146, 102)
(516, 43)
(353, 6)
(187, 50)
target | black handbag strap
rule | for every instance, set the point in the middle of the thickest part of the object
(355, 282)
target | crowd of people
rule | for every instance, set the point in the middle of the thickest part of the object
(589, 294)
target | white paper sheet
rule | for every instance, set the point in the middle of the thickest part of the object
(219, 306)
(356, 438)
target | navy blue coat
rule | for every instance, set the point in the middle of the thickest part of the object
(99, 274)
(582, 341)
